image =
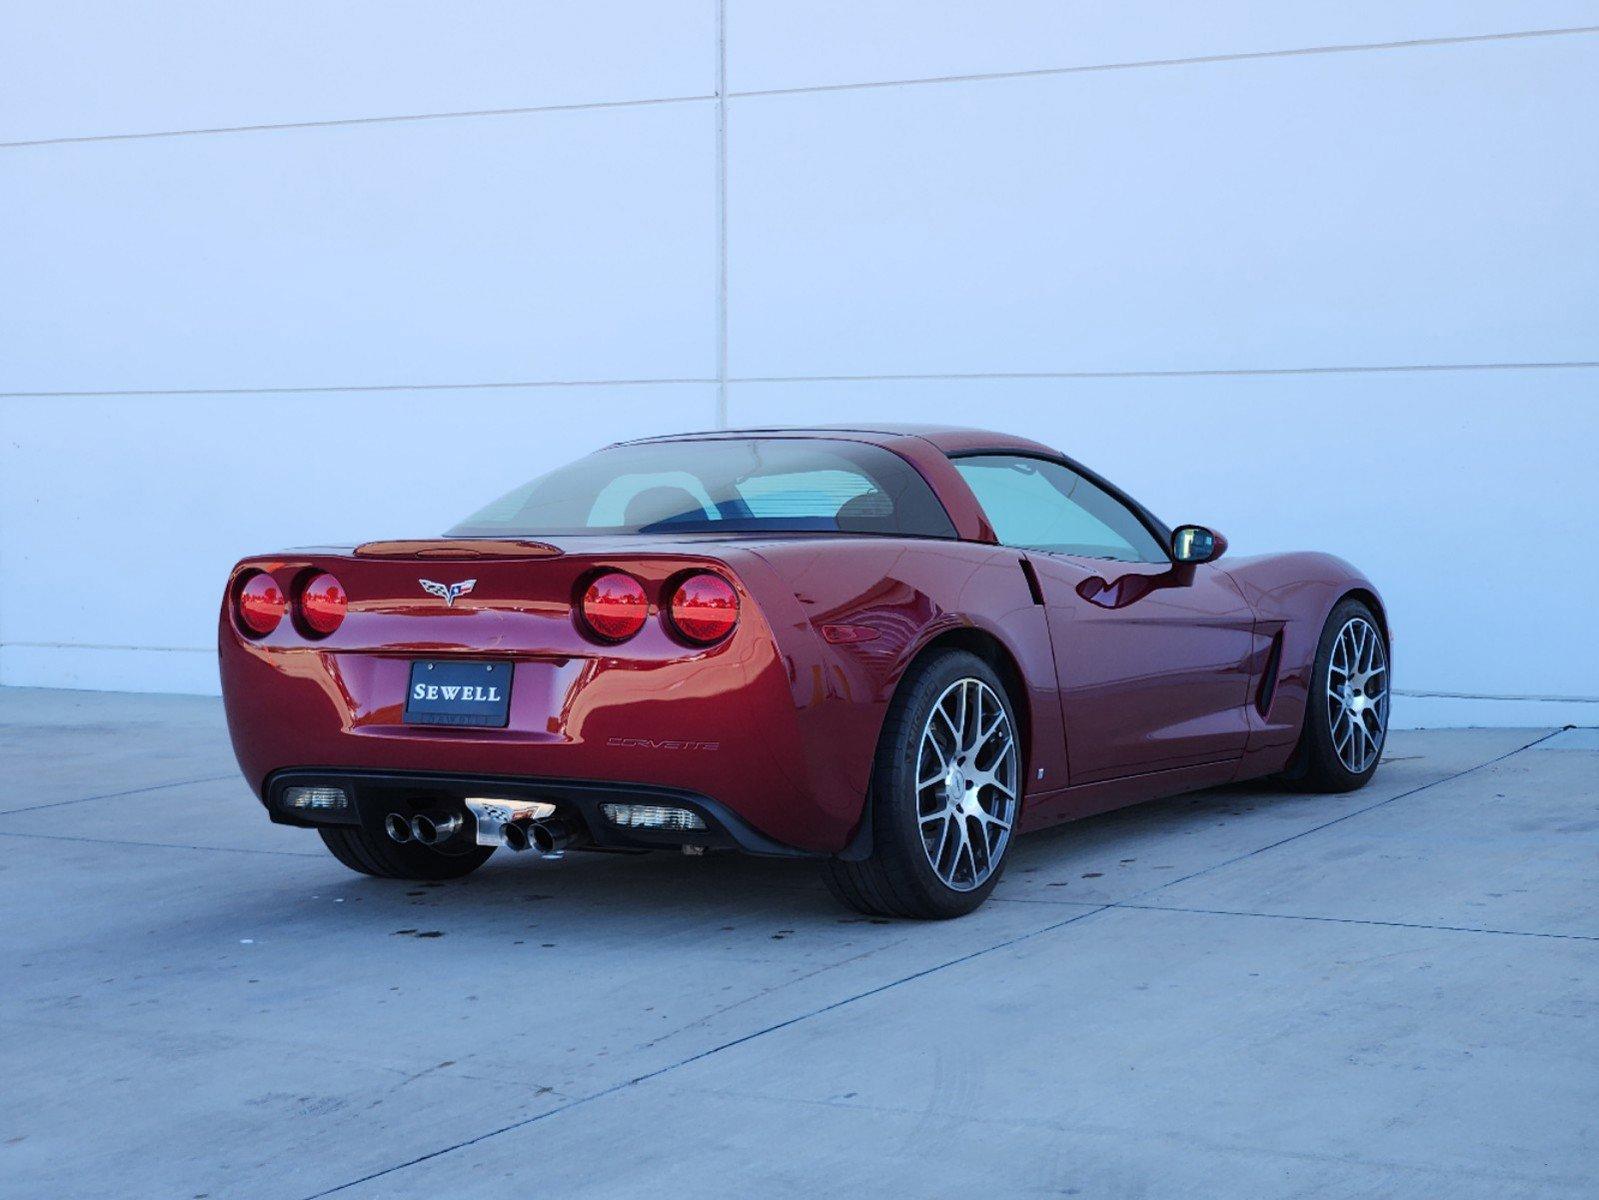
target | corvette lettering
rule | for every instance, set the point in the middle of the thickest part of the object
(664, 744)
(472, 693)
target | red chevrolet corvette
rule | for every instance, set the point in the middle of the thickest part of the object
(888, 649)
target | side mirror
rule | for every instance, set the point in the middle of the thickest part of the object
(1196, 544)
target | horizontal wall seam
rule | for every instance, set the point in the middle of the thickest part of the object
(1196, 60)
(1192, 373)
(372, 387)
(110, 646)
(1419, 695)
(336, 122)
(1001, 376)
(1039, 72)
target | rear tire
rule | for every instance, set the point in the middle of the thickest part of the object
(1346, 713)
(946, 790)
(381, 856)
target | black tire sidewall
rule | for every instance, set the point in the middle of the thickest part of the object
(378, 855)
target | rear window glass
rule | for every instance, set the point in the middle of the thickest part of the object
(722, 485)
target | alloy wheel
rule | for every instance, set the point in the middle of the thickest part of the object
(966, 772)
(1357, 695)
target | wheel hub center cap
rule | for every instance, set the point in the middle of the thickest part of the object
(954, 787)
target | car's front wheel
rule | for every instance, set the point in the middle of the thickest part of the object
(945, 794)
(1346, 713)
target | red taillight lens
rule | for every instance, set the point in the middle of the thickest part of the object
(322, 604)
(614, 606)
(261, 604)
(704, 608)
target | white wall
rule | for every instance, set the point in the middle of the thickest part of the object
(1323, 275)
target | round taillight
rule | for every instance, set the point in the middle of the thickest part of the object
(261, 604)
(614, 606)
(322, 604)
(704, 608)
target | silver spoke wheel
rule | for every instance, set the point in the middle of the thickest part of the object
(1357, 695)
(966, 772)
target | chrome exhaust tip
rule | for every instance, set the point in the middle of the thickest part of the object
(515, 836)
(398, 828)
(552, 836)
(432, 828)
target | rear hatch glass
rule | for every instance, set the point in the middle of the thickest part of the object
(731, 485)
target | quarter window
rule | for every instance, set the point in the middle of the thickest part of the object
(1036, 504)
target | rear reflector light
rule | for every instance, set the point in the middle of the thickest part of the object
(322, 604)
(614, 606)
(318, 799)
(704, 608)
(261, 604)
(651, 816)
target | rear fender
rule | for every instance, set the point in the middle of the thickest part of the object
(866, 610)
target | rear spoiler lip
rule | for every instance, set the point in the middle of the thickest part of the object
(482, 551)
(457, 549)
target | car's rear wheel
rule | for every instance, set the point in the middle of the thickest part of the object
(946, 789)
(1346, 713)
(382, 856)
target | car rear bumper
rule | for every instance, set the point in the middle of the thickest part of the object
(375, 794)
(764, 730)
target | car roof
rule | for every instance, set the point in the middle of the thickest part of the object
(929, 448)
(950, 439)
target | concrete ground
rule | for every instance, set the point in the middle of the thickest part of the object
(1235, 994)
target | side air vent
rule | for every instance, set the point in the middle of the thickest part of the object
(1268, 677)
(1032, 582)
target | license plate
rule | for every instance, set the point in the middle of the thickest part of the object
(451, 692)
